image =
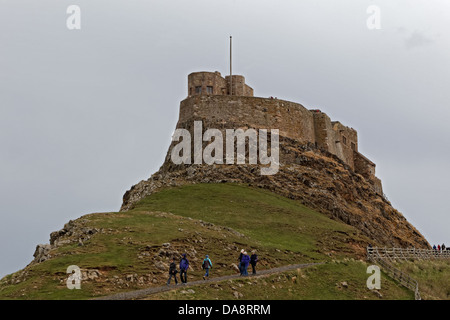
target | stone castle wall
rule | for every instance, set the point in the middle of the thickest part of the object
(234, 112)
(212, 83)
(220, 110)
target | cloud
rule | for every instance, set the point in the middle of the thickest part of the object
(417, 39)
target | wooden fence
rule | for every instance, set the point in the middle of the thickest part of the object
(409, 253)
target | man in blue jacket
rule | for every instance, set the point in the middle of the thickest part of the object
(245, 262)
(184, 265)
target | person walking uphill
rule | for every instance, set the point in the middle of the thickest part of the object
(206, 265)
(241, 269)
(253, 261)
(184, 266)
(245, 263)
(173, 272)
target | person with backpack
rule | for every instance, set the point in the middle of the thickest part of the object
(206, 265)
(253, 261)
(173, 272)
(184, 266)
(245, 262)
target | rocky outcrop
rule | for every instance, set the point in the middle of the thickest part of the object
(42, 253)
(73, 232)
(308, 174)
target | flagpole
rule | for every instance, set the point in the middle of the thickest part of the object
(231, 73)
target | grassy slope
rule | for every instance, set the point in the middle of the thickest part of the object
(273, 220)
(323, 282)
(282, 230)
(433, 277)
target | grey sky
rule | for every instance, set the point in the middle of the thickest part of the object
(85, 114)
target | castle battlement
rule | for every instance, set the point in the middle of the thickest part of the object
(212, 83)
(209, 100)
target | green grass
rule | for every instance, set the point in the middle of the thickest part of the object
(433, 277)
(268, 218)
(282, 230)
(322, 282)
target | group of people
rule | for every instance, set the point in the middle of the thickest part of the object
(184, 266)
(244, 261)
(439, 247)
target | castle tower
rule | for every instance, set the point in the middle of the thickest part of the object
(212, 83)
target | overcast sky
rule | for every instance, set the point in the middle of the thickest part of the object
(85, 114)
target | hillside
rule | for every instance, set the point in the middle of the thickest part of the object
(125, 251)
(314, 177)
(431, 275)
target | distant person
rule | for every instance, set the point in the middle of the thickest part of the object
(241, 269)
(253, 261)
(184, 266)
(439, 247)
(206, 265)
(173, 272)
(434, 247)
(443, 247)
(245, 263)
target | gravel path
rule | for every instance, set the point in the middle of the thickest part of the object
(139, 294)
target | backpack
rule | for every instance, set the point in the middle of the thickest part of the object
(206, 264)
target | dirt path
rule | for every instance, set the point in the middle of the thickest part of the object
(139, 294)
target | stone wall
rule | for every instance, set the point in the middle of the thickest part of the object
(212, 83)
(203, 80)
(324, 134)
(346, 140)
(233, 112)
(292, 120)
(238, 86)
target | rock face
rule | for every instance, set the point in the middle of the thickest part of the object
(73, 232)
(319, 162)
(42, 253)
(317, 178)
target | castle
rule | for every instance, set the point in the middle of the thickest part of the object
(229, 102)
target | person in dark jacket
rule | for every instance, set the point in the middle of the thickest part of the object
(245, 263)
(253, 261)
(173, 272)
(206, 265)
(241, 269)
(184, 266)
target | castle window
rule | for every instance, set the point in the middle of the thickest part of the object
(209, 90)
(344, 140)
(198, 90)
(353, 146)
